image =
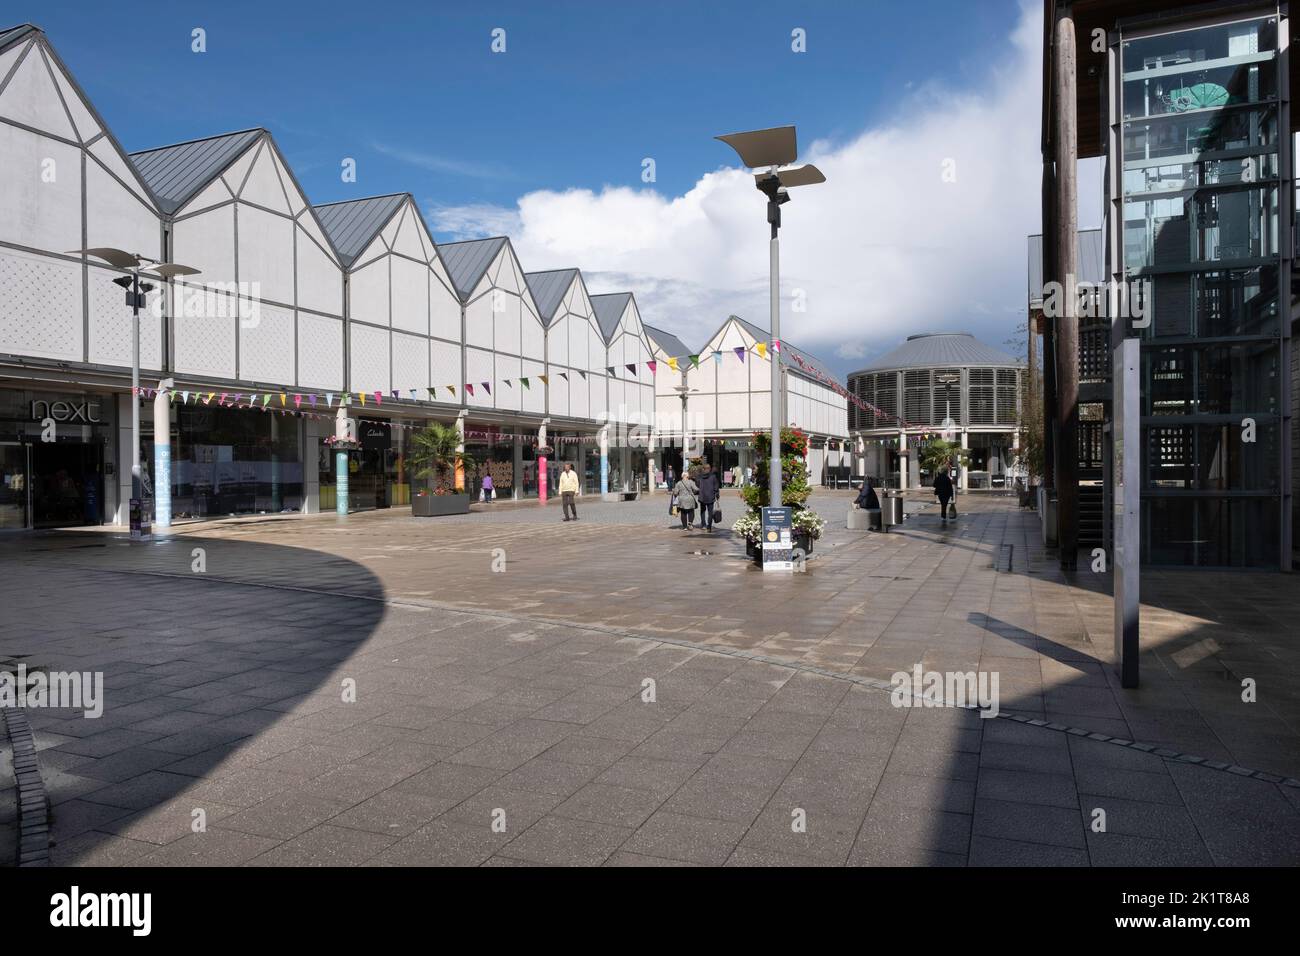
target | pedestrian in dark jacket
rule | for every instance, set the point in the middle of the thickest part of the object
(709, 490)
(867, 498)
(943, 491)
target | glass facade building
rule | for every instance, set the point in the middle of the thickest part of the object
(1201, 233)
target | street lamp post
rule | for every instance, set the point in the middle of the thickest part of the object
(683, 390)
(135, 294)
(774, 148)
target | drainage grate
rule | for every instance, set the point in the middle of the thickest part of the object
(1003, 561)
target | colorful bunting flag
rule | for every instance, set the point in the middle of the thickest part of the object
(717, 358)
(672, 364)
(652, 366)
(379, 398)
(487, 388)
(524, 383)
(740, 353)
(564, 375)
(762, 350)
(582, 373)
(695, 361)
(469, 389)
(545, 379)
(362, 396)
(631, 367)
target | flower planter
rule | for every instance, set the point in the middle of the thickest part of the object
(433, 506)
(802, 539)
(751, 547)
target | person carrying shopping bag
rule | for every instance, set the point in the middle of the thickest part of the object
(686, 493)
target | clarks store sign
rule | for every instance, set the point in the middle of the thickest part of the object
(85, 412)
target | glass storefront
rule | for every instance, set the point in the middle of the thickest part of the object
(55, 451)
(228, 461)
(493, 452)
(1201, 205)
(377, 474)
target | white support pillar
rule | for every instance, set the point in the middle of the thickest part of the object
(962, 468)
(902, 459)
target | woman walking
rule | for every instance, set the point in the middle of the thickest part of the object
(687, 493)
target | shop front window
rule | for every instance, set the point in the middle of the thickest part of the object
(226, 461)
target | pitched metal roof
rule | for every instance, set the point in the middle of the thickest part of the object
(668, 343)
(178, 173)
(548, 289)
(11, 34)
(467, 261)
(609, 310)
(788, 351)
(1092, 262)
(939, 350)
(353, 224)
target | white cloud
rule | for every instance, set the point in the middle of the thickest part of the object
(886, 247)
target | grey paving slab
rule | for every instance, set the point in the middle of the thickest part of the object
(522, 693)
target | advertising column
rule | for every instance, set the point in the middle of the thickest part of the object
(162, 455)
(344, 434)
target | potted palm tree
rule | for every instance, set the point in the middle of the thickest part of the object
(432, 458)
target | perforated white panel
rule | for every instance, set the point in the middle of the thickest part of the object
(40, 306)
(444, 368)
(410, 364)
(369, 359)
(479, 368)
(205, 344)
(320, 352)
(110, 326)
(266, 346)
(534, 398)
(509, 397)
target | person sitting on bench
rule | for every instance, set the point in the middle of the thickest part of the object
(866, 498)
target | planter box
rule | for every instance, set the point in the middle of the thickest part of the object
(751, 548)
(432, 506)
(802, 540)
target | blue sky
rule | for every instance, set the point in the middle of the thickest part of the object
(584, 92)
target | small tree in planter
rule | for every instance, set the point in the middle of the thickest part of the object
(794, 486)
(433, 456)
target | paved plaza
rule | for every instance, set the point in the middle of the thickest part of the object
(615, 691)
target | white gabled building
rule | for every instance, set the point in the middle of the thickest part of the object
(300, 314)
(728, 397)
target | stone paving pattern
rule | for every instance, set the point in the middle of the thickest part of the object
(521, 691)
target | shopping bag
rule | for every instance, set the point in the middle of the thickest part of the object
(717, 515)
(952, 509)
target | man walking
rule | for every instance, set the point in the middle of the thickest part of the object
(708, 495)
(568, 489)
(943, 491)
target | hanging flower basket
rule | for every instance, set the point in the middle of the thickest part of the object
(342, 444)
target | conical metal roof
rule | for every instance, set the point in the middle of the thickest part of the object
(939, 350)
